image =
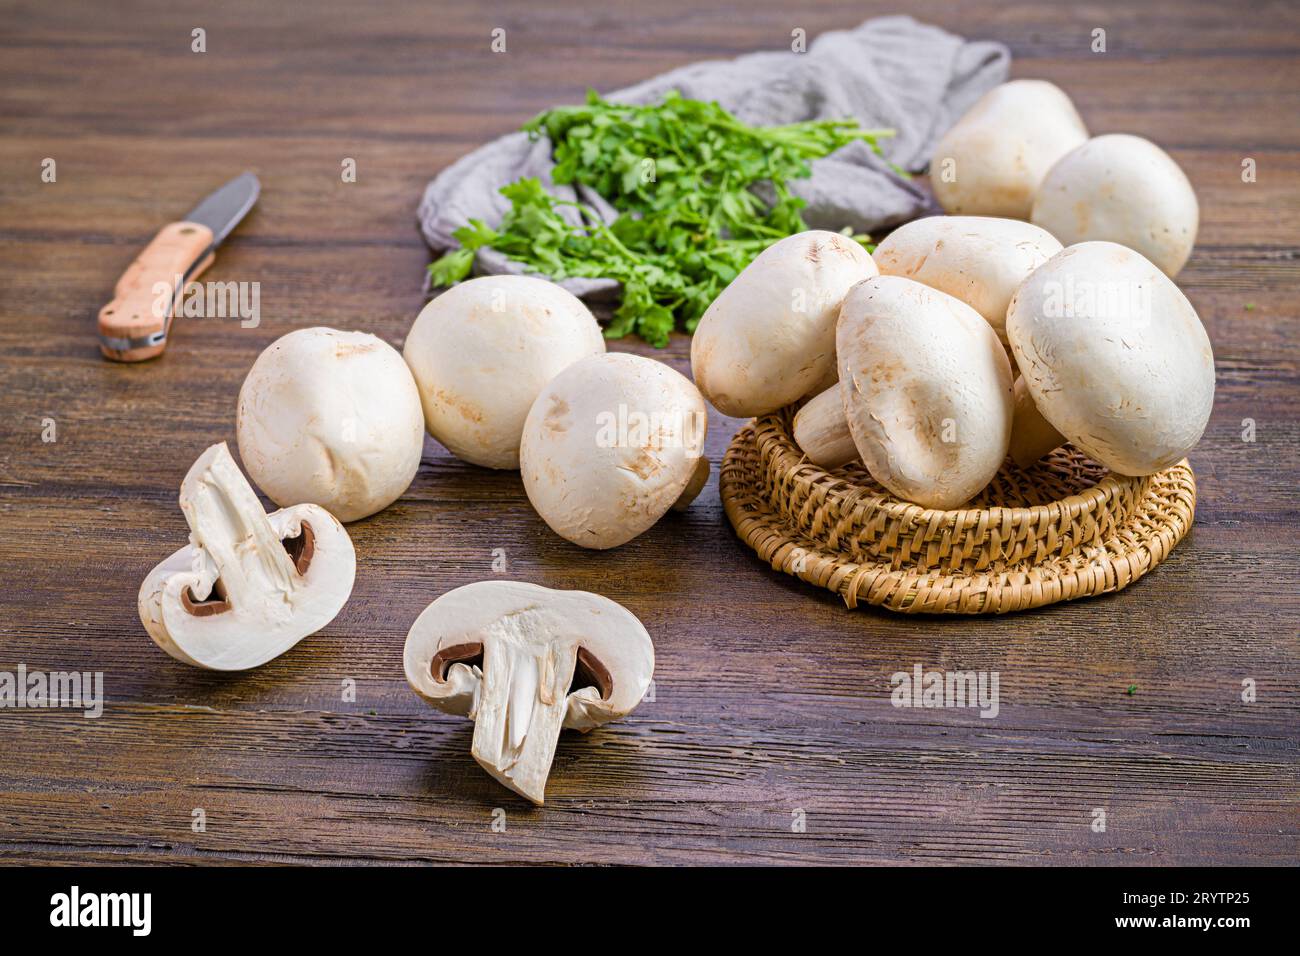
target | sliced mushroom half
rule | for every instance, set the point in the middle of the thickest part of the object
(523, 662)
(249, 585)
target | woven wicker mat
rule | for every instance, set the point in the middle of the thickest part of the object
(1065, 528)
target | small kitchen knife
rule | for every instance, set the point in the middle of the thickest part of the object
(133, 327)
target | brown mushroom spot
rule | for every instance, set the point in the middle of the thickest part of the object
(842, 246)
(467, 410)
(645, 464)
(348, 349)
(556, 419)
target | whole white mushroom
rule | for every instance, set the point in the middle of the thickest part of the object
(330, 418)
(926, 389)
(993, 159)
(768, 339)
(1114, 356)
(979, 259)
(1123, 189)
(924, 394)
(481, 352)
(611, 444)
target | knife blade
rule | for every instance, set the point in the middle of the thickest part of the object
(135, 325)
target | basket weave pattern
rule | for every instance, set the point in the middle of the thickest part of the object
(1063, 529)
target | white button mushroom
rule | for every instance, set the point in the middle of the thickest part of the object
(982, 261)
(1114, 356)
(610, 445)
(925, 386)
(332, 418)
(1123, 189)
(978, 259)
(522, 662)
(1032, 435)
(249, 585)
(991, 162)
(769, 338)
(482, 351)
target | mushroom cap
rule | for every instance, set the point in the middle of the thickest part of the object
(1114, 356)
(459, 628)
(610, 445)
(198, 616)
(1124, 189)
(481, 352)
(926, 387)
(978, 259)
(330, 418)
(1003, 147)
(768, 339)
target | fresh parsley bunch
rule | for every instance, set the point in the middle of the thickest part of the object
(682, 176)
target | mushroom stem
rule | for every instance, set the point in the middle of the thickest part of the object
(1032, 435)
(521, 707)
(230, 528)
(821, 430)
(699, 478)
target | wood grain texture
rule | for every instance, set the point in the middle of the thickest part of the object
(770, 697)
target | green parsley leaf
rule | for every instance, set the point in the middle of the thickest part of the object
(682, 175)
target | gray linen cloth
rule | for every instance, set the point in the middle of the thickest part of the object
(888, 72)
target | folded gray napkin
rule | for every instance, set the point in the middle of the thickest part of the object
(888, 72)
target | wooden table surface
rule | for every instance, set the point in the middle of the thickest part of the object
(771, 697)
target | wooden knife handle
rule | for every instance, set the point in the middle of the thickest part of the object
(138, 310)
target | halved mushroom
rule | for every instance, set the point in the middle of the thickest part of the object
(925, 388)
(769, 337)
(523, 662)
(1114, 356)
(249, 585)
(610, 445)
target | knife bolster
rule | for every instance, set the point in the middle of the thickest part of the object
(138, 311)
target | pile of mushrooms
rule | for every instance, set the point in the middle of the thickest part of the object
(508, 372)
(983, 335)
(963, 339)
(1110, 356)
(1022, 152)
